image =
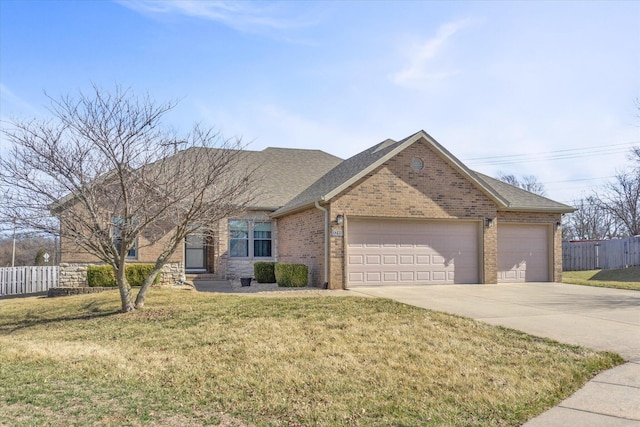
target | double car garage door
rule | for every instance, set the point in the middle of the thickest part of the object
(439, 252)
(408, 253)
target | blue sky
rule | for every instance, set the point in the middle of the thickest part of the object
(554, 81)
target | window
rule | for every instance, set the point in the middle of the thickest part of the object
(249, 239)
(195, 249)
(116, 235)
(262, 239)
(238, 238)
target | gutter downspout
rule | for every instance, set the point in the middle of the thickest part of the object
(326, 243)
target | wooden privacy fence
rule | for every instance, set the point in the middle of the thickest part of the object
(601, 254)
(26, 280)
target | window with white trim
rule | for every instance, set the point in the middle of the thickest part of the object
(248, 239)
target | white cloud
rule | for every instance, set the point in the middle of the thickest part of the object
(271, 125)
(245, 16)
(422, 68)
(11, 101)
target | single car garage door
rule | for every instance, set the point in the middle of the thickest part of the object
(523, 253)
(408, 252)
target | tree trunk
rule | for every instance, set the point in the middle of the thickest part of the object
(142, 293)
(125, 290)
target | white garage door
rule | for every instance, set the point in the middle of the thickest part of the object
(403, 253)
(523, 253)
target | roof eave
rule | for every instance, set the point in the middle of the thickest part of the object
(262, 208)
(559, 209)
(294, 209)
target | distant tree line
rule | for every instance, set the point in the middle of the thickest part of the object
(529, 183)
(29, 250)
(613, 210)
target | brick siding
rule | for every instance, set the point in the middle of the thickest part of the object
(395, 190)
(301, 241)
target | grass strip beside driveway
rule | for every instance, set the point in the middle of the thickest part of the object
(205, 359)
(622, 278)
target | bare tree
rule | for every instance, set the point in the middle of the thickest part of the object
(621, 198)
(529, 183)
(109, 172)
(589, 222)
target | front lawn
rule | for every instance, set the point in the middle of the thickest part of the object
(623, 278)
(193, 359)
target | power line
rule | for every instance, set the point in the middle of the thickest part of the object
(577, 180)
(565, 154)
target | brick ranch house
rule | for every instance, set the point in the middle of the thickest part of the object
(400, 212)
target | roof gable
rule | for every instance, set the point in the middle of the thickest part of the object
(353, 169)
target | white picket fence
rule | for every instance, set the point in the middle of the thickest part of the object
(601, 254)
(26, 280)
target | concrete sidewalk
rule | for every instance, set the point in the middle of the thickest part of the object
(597, 318)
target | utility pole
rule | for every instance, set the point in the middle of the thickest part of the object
(13, 251)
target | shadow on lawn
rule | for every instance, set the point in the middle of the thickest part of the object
(619, 275)
(91, 310)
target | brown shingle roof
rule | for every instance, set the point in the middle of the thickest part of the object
(522, 200)
(351, 170)
(282, 173)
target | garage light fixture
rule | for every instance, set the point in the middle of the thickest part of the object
(489, 222)
(340, 219)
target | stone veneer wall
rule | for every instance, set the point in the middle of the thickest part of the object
(239, 267)
(73, 275)
(172, 273)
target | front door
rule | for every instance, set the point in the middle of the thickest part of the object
(195, 257)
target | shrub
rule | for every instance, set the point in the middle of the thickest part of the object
(137, 273)
(264, 272)
(103, 275)
(291, 275)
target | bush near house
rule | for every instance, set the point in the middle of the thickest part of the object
(264, 272)
(291, 275)
(103, 276)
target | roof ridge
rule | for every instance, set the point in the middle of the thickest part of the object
(357, 166)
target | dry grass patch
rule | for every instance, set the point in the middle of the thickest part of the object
(206, 359)
(623, 278)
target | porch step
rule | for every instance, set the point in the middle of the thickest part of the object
(202, 277)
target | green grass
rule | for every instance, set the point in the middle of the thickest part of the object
(193, 359)
(623, 278)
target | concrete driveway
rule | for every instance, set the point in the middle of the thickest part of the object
(597, 318)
